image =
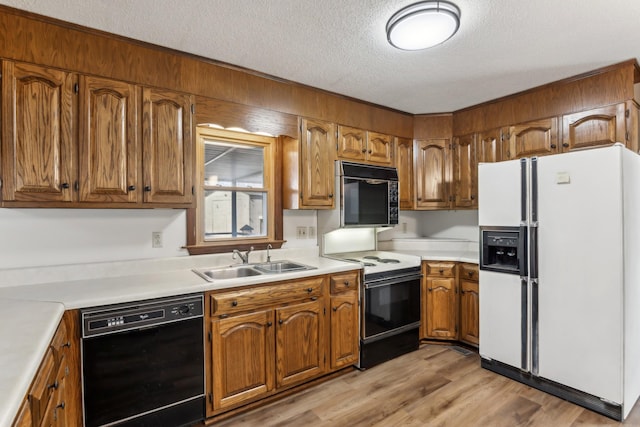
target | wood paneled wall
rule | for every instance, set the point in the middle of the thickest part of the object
(429, 126)
(601, 87)
(46, 41)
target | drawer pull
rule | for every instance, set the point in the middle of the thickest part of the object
(441, 271)
(309, 290)
(346, 283)
(234, 303)
(269, 323)
(314, 298)
(54, 385)
(470, 273)
(67, 344)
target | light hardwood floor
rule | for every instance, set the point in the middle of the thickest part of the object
(434, 386)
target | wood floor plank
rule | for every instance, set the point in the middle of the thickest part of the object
(433, 386)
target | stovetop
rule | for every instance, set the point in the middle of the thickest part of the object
(375, 262)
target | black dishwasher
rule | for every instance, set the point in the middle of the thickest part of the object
(143, 363)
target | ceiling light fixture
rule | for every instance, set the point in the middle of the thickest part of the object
(423, 25)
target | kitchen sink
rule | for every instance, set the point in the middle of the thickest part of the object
(223, 273)
(283, 266)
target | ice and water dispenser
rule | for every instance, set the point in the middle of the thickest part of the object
(501, 249)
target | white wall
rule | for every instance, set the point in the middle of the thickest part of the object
(435, 224)
(38, 237)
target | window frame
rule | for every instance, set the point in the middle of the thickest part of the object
(196, 243)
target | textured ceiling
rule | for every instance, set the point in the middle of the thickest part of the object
(502, 47)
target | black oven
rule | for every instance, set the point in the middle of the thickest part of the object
(390, 315)
(143, 363)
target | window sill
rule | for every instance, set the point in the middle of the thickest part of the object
(216, 248)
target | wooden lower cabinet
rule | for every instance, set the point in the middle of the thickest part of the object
(54, 396)
(450, 302)
(270, 338)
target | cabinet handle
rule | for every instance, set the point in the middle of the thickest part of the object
(335, 308)
(60, 406)
(364, 150)
(553, 145)
(346, 283)
(331, 196)
(314, 298)
(132, 188)
(147, 188)
(309, 290)
(473, 197)
(65, 185)
(67, 344)
(54, 385)
(565, 144)
(441, 271)
(419, 199)
(269, 323)
(430, 289)
(470, 273)
(234, 303)
(281, 321)
(370, 151)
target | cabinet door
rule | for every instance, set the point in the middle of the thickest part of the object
(379, 148)
(632, 133)
(535, 138)
(108, 142)
(242, 349)
(433, 174)
(465, 172)
(344, 329)
(352, 143)
(38, 145)
(489, 146)
(600, 126)
(317, 169)
(167, 146)
(469, 312)
(300, 342)
(404, 164)
(441, 308)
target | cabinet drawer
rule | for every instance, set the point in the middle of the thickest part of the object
(43, 385)
(344, 282)
(469, 272)
(441, 269)
(250, 299)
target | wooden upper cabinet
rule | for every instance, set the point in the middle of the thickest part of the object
(167, 146)
(352, 143)
(364, 146)
(404, 164)
(316, 167)
(535, 138)
(108, 143)
(489, 146)
(38, 134)
(379, 148)
(600, 126)
(465, 172)
(433, 174)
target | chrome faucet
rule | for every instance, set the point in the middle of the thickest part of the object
(269, 256)
(244, 257)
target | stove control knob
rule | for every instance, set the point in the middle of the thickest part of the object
(184, 309)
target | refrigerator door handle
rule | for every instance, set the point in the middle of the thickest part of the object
(522, 251)
(523, 191)
(534, 190)
(524, 324)
(533, 252)
(534, 327)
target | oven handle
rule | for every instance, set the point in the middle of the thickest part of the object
(396, 331)
(391, 281)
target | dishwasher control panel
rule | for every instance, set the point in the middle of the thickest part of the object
(141, 314)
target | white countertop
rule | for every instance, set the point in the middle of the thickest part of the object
(26, 331)
(33, 300)
(30, 312)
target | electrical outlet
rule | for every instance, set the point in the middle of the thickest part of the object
(312, 232)
(156, 239)
(301, 232)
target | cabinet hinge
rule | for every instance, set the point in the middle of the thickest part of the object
(0, 183)
(193, 190)
(456, 329)
(626, 135)
(193, 108)
(324, 310)
(210, 396)
(76, 186)
(626, 113)
(209, 336)
(76, 88)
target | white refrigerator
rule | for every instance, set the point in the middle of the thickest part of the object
(560, 275)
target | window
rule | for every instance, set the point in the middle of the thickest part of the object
(235, 198)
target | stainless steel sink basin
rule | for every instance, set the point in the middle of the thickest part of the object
(223, 273)
(282, 266)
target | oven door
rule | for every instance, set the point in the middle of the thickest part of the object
(390, 306)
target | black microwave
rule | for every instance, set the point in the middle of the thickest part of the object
(368, 195)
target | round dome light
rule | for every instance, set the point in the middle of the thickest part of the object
(423, 25)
